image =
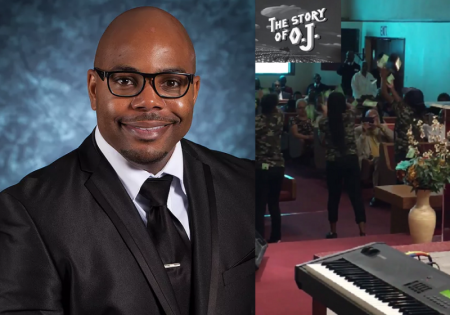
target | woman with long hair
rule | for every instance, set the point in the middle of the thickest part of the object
(269, 165)
(337, 130)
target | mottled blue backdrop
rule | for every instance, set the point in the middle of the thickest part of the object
(46, 48)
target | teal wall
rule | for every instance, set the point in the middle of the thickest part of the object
(383, 10)
(425, 26)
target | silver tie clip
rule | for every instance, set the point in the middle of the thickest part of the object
(171, 265)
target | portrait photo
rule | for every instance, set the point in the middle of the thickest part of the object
(127, 157)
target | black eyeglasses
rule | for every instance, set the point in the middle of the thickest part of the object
(129, 84)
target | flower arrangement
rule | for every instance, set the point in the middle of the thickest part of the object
(428, 170)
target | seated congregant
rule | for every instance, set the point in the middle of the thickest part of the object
(301, 125)
(297, 95)
(282, 79)
(443, 97)
(369, 135)
(433, 134)
(364, 84)
(317, 86)
(282, 95)
(302, 128)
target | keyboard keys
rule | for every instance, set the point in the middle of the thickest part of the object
(371, 293)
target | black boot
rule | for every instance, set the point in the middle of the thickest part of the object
(331, 235)
(373, 202)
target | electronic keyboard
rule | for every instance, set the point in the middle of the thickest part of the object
(375, 279)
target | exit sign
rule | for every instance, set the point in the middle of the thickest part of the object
(383, 30)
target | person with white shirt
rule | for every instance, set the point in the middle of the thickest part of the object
(137, 220)
(364, 84)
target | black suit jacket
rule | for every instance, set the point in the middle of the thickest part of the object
(321, 88)
(347, 72)
(72, 241)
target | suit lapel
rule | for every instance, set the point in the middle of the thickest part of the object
(204, 231)
(110, 194)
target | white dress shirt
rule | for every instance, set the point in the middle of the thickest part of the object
(363, 85)
(133, 178)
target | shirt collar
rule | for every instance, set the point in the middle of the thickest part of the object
(133, 177)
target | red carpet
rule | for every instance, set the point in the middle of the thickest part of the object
(306, 217)
(305, 220)
(276, 290)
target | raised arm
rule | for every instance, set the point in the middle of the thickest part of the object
(386, 87)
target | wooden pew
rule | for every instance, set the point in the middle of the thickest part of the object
(386, 166)
(389, 120)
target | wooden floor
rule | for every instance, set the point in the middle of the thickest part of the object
(441, 258)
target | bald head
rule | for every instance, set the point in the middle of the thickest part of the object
(144, 127)
(140, 32)
(372, 113)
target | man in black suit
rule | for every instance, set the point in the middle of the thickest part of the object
(282, 79)
(277, 89)
(347, 70)
(137, 220)
(317, 86)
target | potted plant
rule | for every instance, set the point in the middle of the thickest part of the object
(426, 172)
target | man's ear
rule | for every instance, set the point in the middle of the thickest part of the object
(196, 87)
(92, 88)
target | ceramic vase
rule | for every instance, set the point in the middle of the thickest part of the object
(422, 218)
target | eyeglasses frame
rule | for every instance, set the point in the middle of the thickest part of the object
(106, 74)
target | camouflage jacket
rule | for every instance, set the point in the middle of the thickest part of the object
(268, 130)
(350, 140)
(405, 119)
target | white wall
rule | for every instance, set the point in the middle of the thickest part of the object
(427, 53)
(384, 10)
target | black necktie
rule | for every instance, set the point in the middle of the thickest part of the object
(170, 239)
